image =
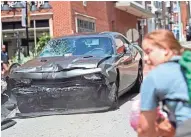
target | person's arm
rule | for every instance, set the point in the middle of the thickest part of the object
(147, 123)
(5, 69)
(146, 127)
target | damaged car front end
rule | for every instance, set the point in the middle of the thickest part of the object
(72, 89)
(64, 84)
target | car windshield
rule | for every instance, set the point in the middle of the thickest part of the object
(94, 46)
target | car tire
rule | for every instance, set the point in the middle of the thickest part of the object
(139, 79)
(114, 96)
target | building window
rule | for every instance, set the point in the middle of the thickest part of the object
(10, 28)
(18, 25)
(149, 8)
(42, 23)
(158, 4)
(85, 25)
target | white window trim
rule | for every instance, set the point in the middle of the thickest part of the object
(32, 14)
(30, 29)
(84, 17)
(138, 4)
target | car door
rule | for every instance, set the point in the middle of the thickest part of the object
(135, 61)
(125, 62)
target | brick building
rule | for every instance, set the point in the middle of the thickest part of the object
(185, 15)
(69, 17)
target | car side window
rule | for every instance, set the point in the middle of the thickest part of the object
(121, 44)
(129, 47)
(124, 40)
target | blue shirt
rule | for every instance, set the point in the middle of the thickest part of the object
(4, 57)
(166, 81)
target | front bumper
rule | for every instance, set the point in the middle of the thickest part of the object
(77, 94)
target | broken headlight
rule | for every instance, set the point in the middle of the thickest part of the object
(93, 76)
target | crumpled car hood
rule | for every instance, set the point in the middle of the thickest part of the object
(55, 64)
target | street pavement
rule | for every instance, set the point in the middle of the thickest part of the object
(108, 124)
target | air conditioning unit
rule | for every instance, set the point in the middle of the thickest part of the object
(85, 3)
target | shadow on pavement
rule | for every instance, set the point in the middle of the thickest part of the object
(127, 97)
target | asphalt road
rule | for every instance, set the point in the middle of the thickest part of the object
(107, 124)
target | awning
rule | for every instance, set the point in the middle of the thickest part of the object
(134, 9)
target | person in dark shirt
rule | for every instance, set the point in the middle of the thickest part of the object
(4, 55)
(4, 60)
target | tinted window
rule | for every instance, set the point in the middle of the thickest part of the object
(42, 23)
(18, 24)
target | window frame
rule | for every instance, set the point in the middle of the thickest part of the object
(85, 19)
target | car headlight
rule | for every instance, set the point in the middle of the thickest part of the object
(93, 77)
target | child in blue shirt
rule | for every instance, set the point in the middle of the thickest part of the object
(165, 80)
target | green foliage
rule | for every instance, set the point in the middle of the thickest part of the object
(38, 48)
(23, 59)
(42, 42)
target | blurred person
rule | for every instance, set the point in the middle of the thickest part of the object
(4, 68)
(164, 83)
(4, 54)
(4, 60)
(188, 32)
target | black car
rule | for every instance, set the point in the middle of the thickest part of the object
(78, 73)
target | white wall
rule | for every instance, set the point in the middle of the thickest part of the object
(151, 21)
(151, 24)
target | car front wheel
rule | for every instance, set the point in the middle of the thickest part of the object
(139, 79)
(113, 96)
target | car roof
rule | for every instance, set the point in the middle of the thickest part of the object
(78, 35)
